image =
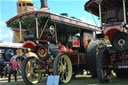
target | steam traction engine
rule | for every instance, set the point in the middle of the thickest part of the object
(56, 44)
(113, 16)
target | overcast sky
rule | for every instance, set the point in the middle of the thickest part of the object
(8, 9)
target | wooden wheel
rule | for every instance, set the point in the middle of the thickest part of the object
(31, 64)
(103, 70)
(62, 66)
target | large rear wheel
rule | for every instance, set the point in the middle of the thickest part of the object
(103, 70)
(92, 52)
(62, 66)
(29, 75)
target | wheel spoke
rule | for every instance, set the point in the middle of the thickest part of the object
(66, 76)
(62, 76)
(30, 77)
(65, 63)
(61, 61)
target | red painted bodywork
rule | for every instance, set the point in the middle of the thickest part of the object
(112, 30)
(29, 44)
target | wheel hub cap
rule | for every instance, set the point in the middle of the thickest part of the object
(121, 43)
(62, 68)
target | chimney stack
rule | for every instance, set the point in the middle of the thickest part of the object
(44, 6)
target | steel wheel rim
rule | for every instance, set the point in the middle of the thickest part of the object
(30, 74)
(65, 69)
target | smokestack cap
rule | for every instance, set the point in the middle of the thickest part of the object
(44, 6)
(43, 3)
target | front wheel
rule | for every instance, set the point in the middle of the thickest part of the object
(62, 66)
(29, 75)
(103, 70)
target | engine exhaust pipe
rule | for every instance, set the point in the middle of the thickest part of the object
(44, 6)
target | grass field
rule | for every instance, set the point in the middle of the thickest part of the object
(79, 80)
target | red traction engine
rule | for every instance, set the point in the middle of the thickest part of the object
(112, 57)
(56, 44)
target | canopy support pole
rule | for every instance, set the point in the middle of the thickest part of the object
(124, 9)
(37, 30)
(55, 32)
(100, 14)
(20, 31)
(44, 27)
